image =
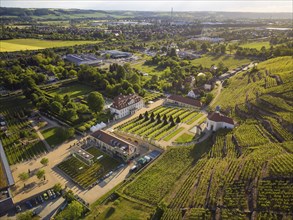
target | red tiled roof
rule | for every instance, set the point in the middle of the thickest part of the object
(122, 101)
(185, 100)
(111, 140)
(218, 117)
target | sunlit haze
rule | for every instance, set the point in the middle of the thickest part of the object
(241, 6)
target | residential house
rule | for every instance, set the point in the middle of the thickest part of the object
(124, 105)
(194, 93)
(216, 120)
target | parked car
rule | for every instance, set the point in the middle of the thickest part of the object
(18, 209)
(53, 194)
(58, 193)
(49, 194)
(45, 196)
(40, 198)
(28, 204)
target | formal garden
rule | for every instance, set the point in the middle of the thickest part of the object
(85, 175)
(159, 122)
(19, 139)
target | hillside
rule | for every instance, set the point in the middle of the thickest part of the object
(245, 173)
(44, 13)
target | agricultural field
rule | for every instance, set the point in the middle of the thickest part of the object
(20, 140)
(256, 45)
(159, 122)
(229, 61)
(123, 208)
(36, 44)
(85, 175)
(239, 172)
(73, 90)
(246, 85)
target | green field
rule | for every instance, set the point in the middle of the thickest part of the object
(229, 61)
(184, 138)
(72, 89)
(35, 44)
(53, 137)
(149, 69)
(256, 45)
(123, 209)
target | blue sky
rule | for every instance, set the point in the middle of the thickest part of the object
(187, 5)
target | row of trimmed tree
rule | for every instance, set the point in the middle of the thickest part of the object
(152, 117)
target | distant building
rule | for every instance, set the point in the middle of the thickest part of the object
(6, 181)
(195, 93)
(213, 68)
(81, 59)
(124, 105)
(207, 87)
(115, 54)
(187, 55)
(184, 101)
(216, 120)
(224, 76)
(113, 145)
(51, 77)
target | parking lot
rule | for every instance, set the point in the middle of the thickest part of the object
(44, 204)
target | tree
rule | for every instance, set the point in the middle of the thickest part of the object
(44, 161)
(57, 187)
(23, 176)
(130, 90)
(95, 101)
(204, 47)
(40, 174)
(28, 215)
(73, 211)
(178, 120)
(69, 196)
(140, 116)
(209, 98)
(56, 107)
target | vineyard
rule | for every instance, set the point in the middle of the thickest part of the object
(20, 140)
(85, 175)
(159, 122)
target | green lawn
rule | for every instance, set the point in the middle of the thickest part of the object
(52, 137)
(123, 209)
(170, 136)
(257, 45)
(184, 138)
(229, 61)
(151, 70)
(73, 90)
(35, 44)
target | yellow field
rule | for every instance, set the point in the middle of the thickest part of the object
(35, 44)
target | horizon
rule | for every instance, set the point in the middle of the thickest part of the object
(159, 6)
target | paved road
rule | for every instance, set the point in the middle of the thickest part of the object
(41, 137)
(50, 208)
(219, 89)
